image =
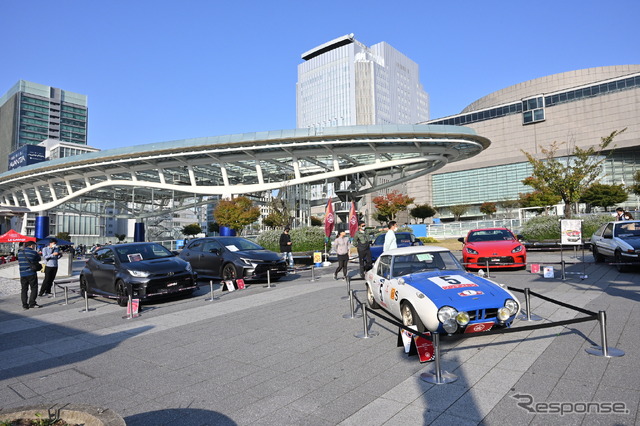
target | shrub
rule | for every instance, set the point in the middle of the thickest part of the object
(308, 238)
(542, 228)
(428, 240)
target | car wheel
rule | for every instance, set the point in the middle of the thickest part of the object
(597, 257)
(229, 272)
(619, 260)
(84, 287)
(409, 317)
(121, 294)
(371, 301)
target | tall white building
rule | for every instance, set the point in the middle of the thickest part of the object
(343, 83)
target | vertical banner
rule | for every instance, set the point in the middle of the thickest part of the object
(570, 232)
(329, 219)
(353, 220)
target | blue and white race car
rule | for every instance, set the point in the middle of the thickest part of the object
(427, 287)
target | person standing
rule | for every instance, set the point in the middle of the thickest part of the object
(341, 244)
(620, 213)
(390, 239)
(51, 254)
(28, 260)
(285, 246)
(362, 242)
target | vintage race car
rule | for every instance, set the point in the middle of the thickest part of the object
(618, 240)
(427, 287)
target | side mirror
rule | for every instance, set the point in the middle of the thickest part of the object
(520, 237)
(461, 239)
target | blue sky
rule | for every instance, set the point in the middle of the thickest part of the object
(158, 70)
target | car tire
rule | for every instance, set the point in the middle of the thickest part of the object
(597, 257)
(121, 294)
(84, 286)
(409, 317)
(371, 301)
(229, 272)
(619, 260)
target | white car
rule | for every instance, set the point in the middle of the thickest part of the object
(618, 240)
(427, 287)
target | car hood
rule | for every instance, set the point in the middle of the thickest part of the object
(497, 246)
(158, 266)
(632, 241)
(459, 289)
(267, 255)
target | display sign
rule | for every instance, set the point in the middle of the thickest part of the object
(547, 272)
(424, 348)
(240, 283)
(317, 257)
(570, 232)
(228, 284)
(28, 154)
(133, 308)
(535, 268)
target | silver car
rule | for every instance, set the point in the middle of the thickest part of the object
(618, 240)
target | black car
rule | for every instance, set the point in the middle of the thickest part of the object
(229, 258)
(142, 270)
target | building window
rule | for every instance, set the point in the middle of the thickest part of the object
(533, 110)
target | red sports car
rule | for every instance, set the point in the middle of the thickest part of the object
(497, 246)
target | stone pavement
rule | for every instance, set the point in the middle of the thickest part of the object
(286, 356)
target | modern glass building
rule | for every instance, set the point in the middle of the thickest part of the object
(32, 112)
(577, 108)
(344, 83)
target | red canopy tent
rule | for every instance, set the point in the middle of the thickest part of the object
(14, 237)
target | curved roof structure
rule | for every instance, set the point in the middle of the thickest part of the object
(240, 164)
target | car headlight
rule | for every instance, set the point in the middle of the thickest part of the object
(462, 318)
(511, 305)
(504, 314)
(188, 268)
(471, 251)
(517, 249)
(139, 274)
(248, 261)
(446, 313)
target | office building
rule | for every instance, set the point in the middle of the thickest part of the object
(32, 112)
(575, 107)
(343, 83)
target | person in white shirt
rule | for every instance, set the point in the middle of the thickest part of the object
(390, 238)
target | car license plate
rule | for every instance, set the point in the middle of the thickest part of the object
(171, 284)
(477, 328)
(495, 259)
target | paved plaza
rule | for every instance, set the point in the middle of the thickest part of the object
(285, 355)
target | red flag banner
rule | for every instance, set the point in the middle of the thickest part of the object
(353, 220)
(329, 219)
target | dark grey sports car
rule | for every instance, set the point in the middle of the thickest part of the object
(229, 258)
(142, 270)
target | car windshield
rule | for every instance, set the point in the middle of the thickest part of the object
(422, 262)
(627, 230)
(237, 244)
(135, 253)
(490, 235)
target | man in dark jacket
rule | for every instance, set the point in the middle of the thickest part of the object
(28, 260)
(285, 246)
(362, 241)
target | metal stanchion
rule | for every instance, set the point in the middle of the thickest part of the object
(351, 315)
(528, 316)
(366, 334)
(488, 275)
(54, 289)
(211, 286)
(604, 350)
(437, 376)
(313, 273)
(86, 301)
(130, 307)
(66, 295)
(268, 278)
(562, 268)
(348, 279)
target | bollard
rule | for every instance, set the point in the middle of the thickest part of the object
(313, 273)
(437, 376)
(366, 334)
(562, 266)
(351, 315)
(604, 350)
(54, 289)
(130, 308)
(488, 275)
(66, 295)
(348, 288)
(527, 303)
(268, 278)
(211, 286)
(86, 301)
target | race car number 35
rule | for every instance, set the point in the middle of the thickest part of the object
(447, 282)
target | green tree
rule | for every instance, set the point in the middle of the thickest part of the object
(542, 199)
(509, 205)
(63, 236)
(458, 211)
(422, 211)
(635, 186)
(236, 213)
(488, 208)
(190, 230)
(315, 221)
(570, 176)
(601, 195)
(389, 205)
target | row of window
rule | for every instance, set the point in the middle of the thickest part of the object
(73, 129)
(33, 136)
(73, 122)
(34, 101)
(595, 90)
(35, 108)
(81, 111)
(75, 116)
(71, 135)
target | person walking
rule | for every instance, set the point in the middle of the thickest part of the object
(390, 239)
(51, 254)
(362, 241)
(29, 260)
(285, 246)
(341, 245)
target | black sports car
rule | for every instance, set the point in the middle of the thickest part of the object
(229, 258)
(142, 270)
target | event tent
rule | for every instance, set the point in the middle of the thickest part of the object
(14, 237)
